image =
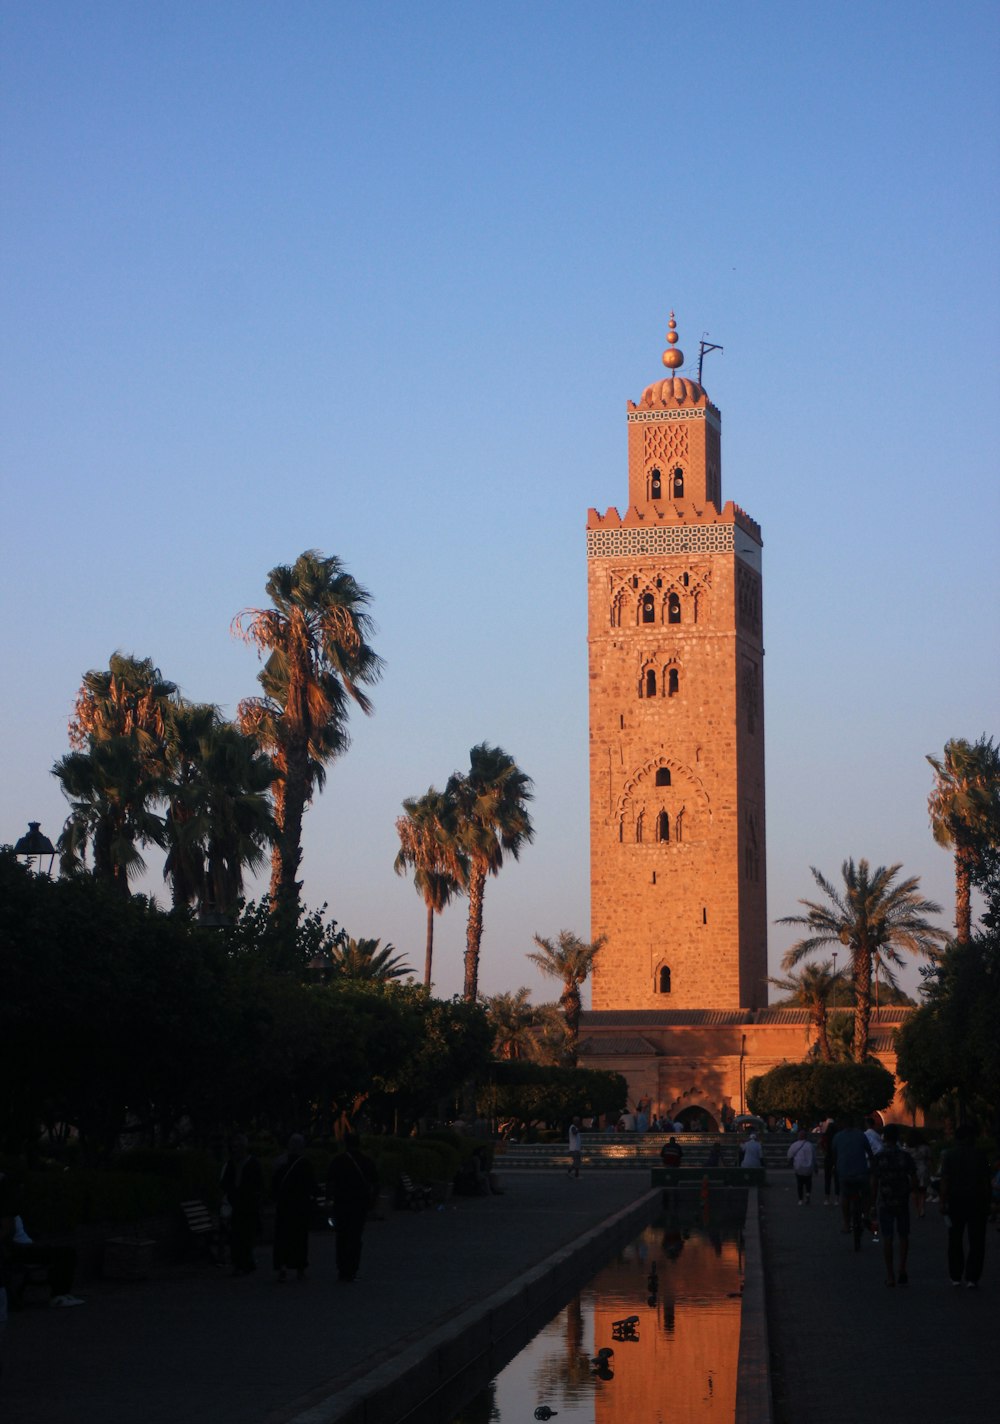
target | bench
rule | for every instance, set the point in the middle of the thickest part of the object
(202, 1228)
(409, 1194)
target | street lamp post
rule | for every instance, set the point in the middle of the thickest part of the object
(35, 846)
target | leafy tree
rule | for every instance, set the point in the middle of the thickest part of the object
(535, 1093)
(570, 960)
(950, 1045)
(874, 917)
(429, 846)
(812, 988)
(810, 1091)
(364, 959)
(491, 809)
(453, 1046)
(319, 659)
(964, 809)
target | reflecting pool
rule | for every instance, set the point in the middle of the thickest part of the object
(668, 1310)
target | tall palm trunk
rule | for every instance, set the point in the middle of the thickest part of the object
(290, 800)
(474, 931)
(822, 1036)
(965, 860)
(569, 1002)
(861, 974)
(429, 954)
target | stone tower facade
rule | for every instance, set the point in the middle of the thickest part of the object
(676, 721)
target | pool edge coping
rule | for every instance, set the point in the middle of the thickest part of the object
(390, 1392)
(754, 1404)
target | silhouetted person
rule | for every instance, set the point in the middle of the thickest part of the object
(965, 1202)
(352, 1185)
(671, 1153)
(894, 1177)
(243, 1185)
(293, 1187)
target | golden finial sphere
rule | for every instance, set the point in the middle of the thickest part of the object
(672, 358)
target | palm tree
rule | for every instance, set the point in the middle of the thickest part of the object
(964, 808)
(428, 845)
(875, 918)
(812, 988)
(318, 658)
(492, 821)
(570, 960)
(184, 866)
(512, 1019)
(131, 699)
(111, 799)
(364, 959)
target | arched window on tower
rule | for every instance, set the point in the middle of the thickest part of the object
(655, 485)
(649, 683)
(673, 609)
(638, 828)
(649, 608)
(663, 980)
(673, 682)
(663, 776)
(678, 483)
(663, 827)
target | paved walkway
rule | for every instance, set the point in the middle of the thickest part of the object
(844, 1347)
(195, 1346)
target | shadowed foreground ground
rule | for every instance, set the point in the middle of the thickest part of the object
(193, 1346)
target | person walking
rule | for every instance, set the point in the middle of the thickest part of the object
(965, 1205)
(802, 1156)
(826, 1140)
(894, 1177)
(575, 1144)
(293, 1187)
(242, 1187)
(753, 1153)
(852, 1156)
(352, 1186)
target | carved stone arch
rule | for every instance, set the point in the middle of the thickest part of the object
(685, 798)
(619, 602)
(650, 679)
(648, 600)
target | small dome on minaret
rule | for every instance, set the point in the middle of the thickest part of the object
(673, 390)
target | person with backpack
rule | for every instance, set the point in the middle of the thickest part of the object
(894, 1177)
(802, 1156)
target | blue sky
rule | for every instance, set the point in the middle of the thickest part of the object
(379, 280)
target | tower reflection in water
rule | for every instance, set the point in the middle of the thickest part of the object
(668, 1311)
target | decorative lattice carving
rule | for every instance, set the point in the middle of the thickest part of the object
(665, 445)
(674, 539)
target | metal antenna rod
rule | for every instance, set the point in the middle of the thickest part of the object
(705, 346)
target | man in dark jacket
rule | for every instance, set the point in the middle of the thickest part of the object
(965, 1202)
(352, 1186)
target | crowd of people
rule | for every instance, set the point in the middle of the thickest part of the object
(873, 1176)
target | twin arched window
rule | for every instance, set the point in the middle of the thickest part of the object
(673, 608)
(655, 485)
(678, 483)
(649, 608)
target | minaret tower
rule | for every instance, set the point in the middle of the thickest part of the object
(676, 720)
